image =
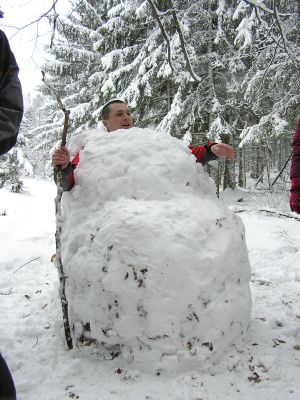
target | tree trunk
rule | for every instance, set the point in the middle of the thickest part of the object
(267, 163)
(242, 171)
(229, 168)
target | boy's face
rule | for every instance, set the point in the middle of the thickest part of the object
(119, 117)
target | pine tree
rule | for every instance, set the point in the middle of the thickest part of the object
(216, 69)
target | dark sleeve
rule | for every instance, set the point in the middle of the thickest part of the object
(7, 387)
(295, 164)
(203, 154)
(65, 177)
(295, 171)
(11, 99)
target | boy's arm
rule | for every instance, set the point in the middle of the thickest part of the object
(66, 177)
(211, 151)
(63, 168)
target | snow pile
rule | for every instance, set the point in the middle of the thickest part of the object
(157, 267)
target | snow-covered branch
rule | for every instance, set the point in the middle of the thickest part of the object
(156, 14)
(263, 7)
(183, 45)
(276, 17)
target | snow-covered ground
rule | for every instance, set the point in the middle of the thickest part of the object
(32, 339)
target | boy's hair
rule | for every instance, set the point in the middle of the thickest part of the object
(106, 108)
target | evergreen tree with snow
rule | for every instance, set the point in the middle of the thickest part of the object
(15, 165)
(212, 68)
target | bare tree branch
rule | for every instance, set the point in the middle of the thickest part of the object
(37, 20)
(62, 107)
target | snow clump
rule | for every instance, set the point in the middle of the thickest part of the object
(157, 266)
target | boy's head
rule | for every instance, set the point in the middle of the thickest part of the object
(116, 115)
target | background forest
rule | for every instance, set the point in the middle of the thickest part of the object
(199, 69)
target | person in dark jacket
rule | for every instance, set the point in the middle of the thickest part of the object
(7, 387)
(11, 99)
(116, 115)
(295, 171)
(11, 113)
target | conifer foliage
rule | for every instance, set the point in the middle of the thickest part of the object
(217, 69)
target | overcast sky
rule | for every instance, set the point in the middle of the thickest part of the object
(27, 44)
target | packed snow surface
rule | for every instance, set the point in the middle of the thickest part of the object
(157, 266)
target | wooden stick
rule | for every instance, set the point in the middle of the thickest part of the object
(58, 260)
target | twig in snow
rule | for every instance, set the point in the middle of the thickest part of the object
(268, 212)
(37, 340)
(6, 294)
(25, 264)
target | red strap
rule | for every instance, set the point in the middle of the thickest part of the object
(75, 160)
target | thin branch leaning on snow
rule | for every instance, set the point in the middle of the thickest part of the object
(28, 262)
(164, 33)
(238, 210)
(282, 169)
(283, 233)
(183, 45)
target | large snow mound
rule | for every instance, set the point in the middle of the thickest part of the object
(156, 264)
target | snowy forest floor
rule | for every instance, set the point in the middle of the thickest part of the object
(267, 366)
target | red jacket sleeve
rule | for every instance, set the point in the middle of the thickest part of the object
(203, 154)
(66, 176)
